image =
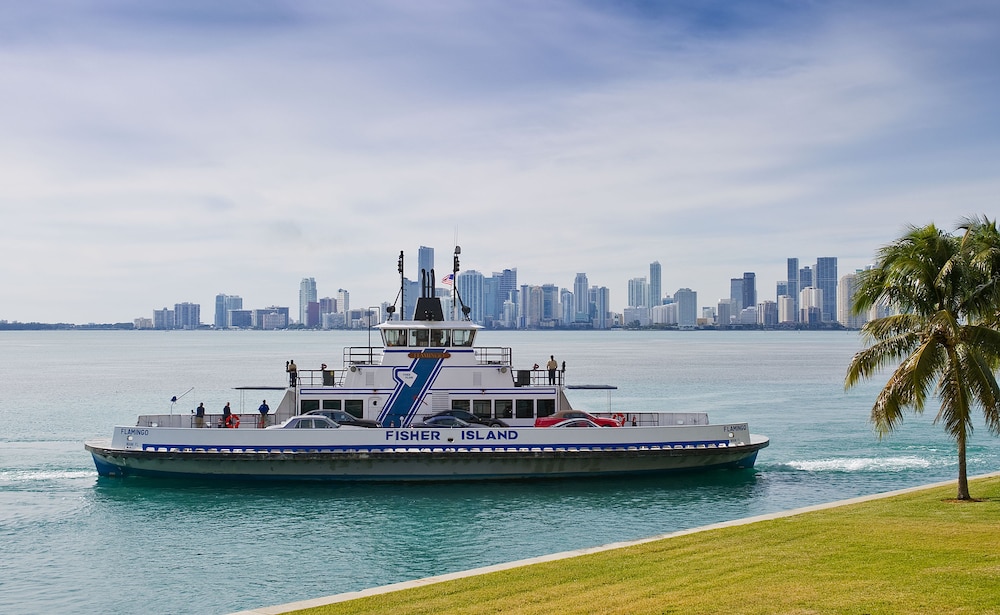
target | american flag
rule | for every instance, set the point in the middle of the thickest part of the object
(446, 280)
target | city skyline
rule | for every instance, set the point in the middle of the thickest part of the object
(640, 293)
(164, 152)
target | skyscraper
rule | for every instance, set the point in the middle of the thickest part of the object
(826, 281)
(655, 281)
(749, 289)
(736, 293)
(343, 301)
(223, 305)
(687, 308)
(425, 261)
(638, 292)
(845, 299)
(581, 298)
(471, 289)
(793, 285)
(805, 281)
(307, 294)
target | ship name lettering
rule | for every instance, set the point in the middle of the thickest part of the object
(493, 434)
(735, 427)
(413, 435)
(132, 431)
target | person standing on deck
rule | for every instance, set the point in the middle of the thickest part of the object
(199, 415)
(263, 409)
(552, 366)
(293, 372)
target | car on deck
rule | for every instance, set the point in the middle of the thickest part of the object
(343, 418)
(471, 418)
(562, 415)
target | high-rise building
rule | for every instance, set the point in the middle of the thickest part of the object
(581, 299)
(811, 305)
(687, 308)
(845, 301)
(600, 298)
(307, 295)
(736, 294)
(343, 301)
(550, 305)
(723, 313)
(223, 305)
(425, 261)
(767, 313)
(638, 292)
(749, 289)
(655, 284)
(826, 281)
(786, 310)
(471, 289)
(805, 280)
(793, 285)
(187, 315)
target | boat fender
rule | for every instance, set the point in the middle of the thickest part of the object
(232, 421)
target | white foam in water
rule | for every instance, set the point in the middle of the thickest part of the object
(862, 464)
(19, 476)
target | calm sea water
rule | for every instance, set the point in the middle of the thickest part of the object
(74, 543)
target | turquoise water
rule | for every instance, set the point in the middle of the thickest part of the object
(75, 543)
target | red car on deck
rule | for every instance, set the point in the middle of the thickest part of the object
(562, 415)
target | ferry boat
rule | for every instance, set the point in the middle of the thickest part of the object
(426, 366)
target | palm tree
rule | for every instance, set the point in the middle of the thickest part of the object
(942, 339)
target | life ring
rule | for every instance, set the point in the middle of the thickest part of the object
(232, 421)
(618, 416)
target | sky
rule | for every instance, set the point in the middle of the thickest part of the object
(161, 152)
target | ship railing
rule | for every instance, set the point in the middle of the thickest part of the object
(210, 421)
(493, 355)
(536, 377)
(362, 355)
(321, 377)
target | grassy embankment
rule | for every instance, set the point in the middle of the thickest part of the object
(913, 553)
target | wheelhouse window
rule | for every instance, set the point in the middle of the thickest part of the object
(440, 337)
(394, 337)
(462, 337)
(422, 337)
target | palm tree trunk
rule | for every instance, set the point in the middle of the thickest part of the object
(963, 478)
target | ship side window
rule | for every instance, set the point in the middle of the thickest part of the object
(308, 405)
(460, 404)
(331, 404)
(504, 408)
(546, 407)
(421, 336)
(481, 408)
(355, 407)
(462, 337)
(524, 409)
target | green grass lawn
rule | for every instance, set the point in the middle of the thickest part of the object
(915, 553)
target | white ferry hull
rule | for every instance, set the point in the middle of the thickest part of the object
(377, 455)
